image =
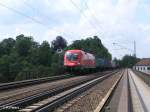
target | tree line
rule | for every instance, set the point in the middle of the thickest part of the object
(24, 58)
(91, 45)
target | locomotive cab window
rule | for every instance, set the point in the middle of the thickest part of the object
(71, 56)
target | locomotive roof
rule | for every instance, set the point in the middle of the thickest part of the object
(77, 50)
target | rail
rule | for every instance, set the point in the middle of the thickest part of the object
(42, 95)
(61, 98)
(102, 107)
(17, 84)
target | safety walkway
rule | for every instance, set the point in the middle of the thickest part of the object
(119, 100)
(123, 101)
(140, 93)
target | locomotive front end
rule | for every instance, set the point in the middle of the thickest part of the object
(72, 58)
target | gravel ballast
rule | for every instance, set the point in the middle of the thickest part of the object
(89, 100)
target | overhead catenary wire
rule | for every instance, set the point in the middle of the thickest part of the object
(82, 13)
(22, 14)
(45, 16)
(30, 18)
(97, 22)
(35, 9)
(122, 47)
(92, 24)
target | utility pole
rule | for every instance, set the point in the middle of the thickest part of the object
(123, 47)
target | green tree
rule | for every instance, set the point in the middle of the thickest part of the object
(59, 43)
(45, 54)
(33, 56)
(4, 68)
(23, 45)
(57, 66)
(91, 45)
(128, 61)
(6, 46)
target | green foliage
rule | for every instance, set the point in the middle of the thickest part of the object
(34, 72)
(128, 61)
(45, 54)
(57, 64)
(91, 45)
(59, 43)
(4, 68)
(7, 46)
(8, 68)
(23, 45)
(23, 58)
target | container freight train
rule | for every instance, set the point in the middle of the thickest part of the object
(78, 60)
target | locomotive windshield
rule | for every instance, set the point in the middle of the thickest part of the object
(71, 56)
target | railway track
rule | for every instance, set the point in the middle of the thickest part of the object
(48, 93)
(118, 98)
(17, 84)
(93, 99)
(10, 98)
(104, 105)
(52, 102)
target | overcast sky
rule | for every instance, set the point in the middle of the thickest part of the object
(119, 21)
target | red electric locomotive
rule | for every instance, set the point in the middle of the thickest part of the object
(79, 59)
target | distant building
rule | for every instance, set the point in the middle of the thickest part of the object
(143, 65)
